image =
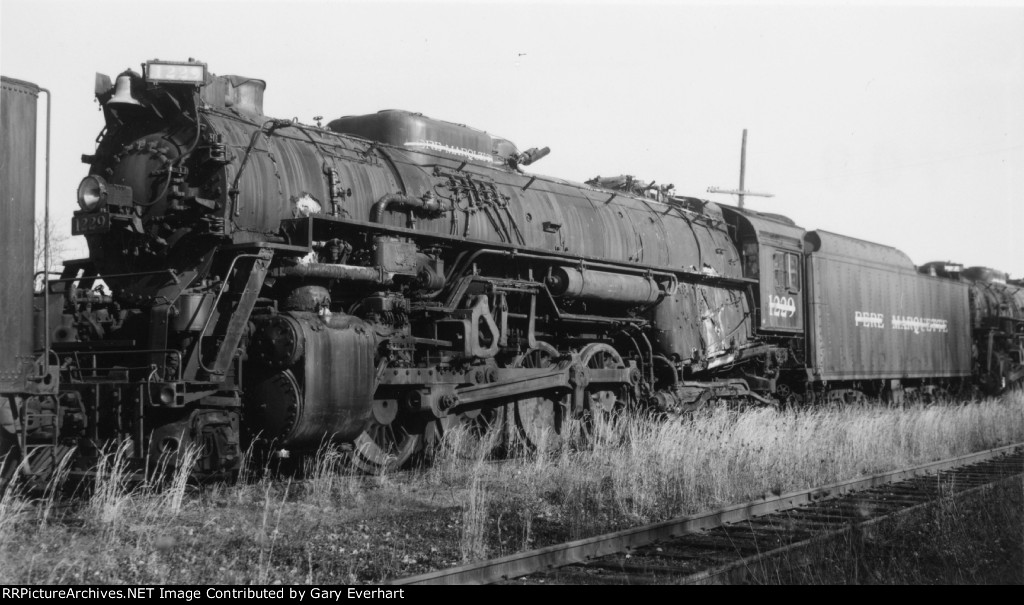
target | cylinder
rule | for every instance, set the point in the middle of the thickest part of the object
(325, 395)
(279, 342)
(603, 286)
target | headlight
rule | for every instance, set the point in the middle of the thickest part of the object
(92, 193)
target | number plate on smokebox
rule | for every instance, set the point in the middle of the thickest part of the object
(89, 224)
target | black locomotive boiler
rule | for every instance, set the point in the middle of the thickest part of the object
(391, 276)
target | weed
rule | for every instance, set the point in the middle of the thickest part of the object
(340, 528)
(110, 495)
(174, 493)
(473, 543)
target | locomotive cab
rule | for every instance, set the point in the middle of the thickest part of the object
(772, 253)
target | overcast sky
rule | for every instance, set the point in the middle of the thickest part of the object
(902, 125)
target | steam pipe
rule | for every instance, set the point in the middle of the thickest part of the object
(671, 366)
(274, 125)
(460, 265)
(372, 275)
(572, 282)
(427, 205)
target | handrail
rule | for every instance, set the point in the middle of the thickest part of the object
(77, 355)
(216, 301)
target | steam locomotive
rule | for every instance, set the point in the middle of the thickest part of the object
(386, 278)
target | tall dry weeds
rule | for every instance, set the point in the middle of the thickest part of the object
(636, 470)
(55, 486)
(268, 539)
(329, 479)
(475, 514)
(14, 510)
(111, 490)
(173, 494)
(641, 471)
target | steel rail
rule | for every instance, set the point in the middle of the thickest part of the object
(741, 567)
(580, 551)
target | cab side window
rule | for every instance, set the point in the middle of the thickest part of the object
(779, 268)
(793, 279)
(786, 267)
(750, 260)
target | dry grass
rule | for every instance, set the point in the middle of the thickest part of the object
(335, 527)
(640, 471)
(111, 496)
(473, 544)
(14, 510)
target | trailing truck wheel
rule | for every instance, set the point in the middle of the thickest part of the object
(787, 397)
(937, 395)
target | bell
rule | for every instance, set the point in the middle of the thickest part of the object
(123, 91)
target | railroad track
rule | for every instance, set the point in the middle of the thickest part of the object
(722, 545)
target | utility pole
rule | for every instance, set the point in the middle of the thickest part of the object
(741, 192)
